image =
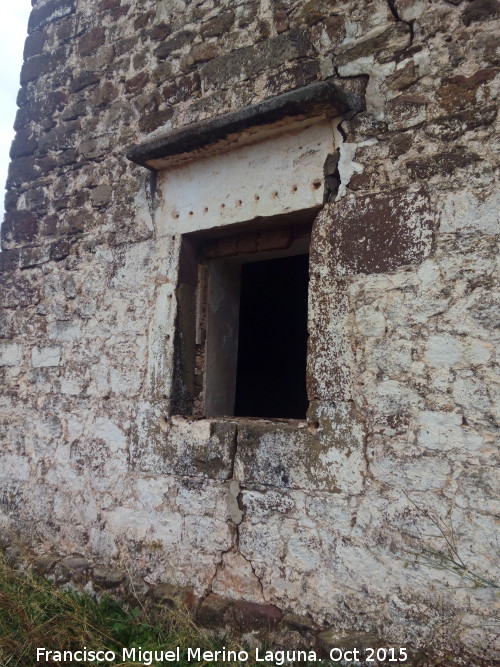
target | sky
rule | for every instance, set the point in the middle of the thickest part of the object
(13, 29)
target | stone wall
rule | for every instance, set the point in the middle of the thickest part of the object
(334, 521)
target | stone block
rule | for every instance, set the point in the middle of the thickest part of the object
(200, 53)
(34, 44)
(281, 455)
(153, 121)
(467, 211)
(45, 357)
(215, 611)
(90, 41)
(174, 596)
(39, 65)
(104, 94)
(454, 126)
(459, 92)
(314, 11)
(10, 354)
(384, 40)
(83, 80)
(173, 43)
(74, 568)
(54, 10)
(24, 144)
(199, 448)
(299, 623)
(41, 109)
(298, 74)
(106, 577)
(406, 111)
(159, 31)
(75, 223)
(442, 163)
(218, 25)
(9, 260)
(19, 227)
(60, 249)
(75, 111)
(480, 10)
(34, 256)
(253, 616)
(21, 170)
(182, 89)
(61, 137)
(249, 61)
(101, 195)
(44, 565)
(136, 83)
(373, 233)
(19, 292)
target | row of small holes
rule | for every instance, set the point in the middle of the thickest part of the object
(316, 185)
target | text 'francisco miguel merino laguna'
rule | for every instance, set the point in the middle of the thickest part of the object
(147, 657)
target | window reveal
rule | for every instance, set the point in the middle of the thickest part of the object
(242, 325)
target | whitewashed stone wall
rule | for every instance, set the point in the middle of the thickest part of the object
(333, 521)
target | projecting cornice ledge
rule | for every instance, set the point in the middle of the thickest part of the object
(251, 123)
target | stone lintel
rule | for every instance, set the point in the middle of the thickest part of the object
(321, 98)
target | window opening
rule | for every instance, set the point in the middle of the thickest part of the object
(272, 340)
(241, 330)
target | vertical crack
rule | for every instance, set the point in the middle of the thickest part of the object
(394, 11)
(234, 452)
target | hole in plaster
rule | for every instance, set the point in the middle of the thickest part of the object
(257, 197)
(313, 426)
(205, 210)
(164, 426)
(316, 184)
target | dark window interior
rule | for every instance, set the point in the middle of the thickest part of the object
(272, 346)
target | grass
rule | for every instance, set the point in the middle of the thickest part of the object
(34, 613)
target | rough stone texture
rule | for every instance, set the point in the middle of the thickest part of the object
(399, 450)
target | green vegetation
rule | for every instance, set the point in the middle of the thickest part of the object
(36, 614)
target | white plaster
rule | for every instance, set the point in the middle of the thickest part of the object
(65, 331)
(10, 354)
(444, 350)
(45, 356)
(370, 321)
(440, 430)
(377, 72)
(269, 177)
(462, 210)
(107, 430)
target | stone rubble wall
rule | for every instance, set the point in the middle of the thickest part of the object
(326, 522)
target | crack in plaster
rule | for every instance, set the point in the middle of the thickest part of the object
(394, 11)
(236, 517)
